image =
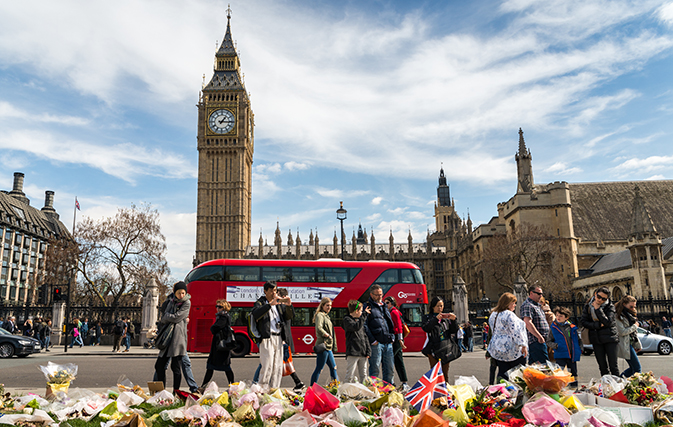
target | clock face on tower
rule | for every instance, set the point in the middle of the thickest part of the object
(221, 121)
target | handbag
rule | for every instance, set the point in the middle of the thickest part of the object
(448, 350)
(635, 342)
(164, 336)
(405, 330)
(319, 348)
(225, 341)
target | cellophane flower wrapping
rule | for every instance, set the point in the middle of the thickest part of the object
(272, 409)
(549, 378)
(393, 417)
(641, 389)
(542, 410)
(162, 398)
(59, 374)
(378, 384)
(250, 398)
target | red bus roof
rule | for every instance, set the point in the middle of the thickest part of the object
(323, 262)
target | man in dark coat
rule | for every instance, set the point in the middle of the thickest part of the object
(379, 328)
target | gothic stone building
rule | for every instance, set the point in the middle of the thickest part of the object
(225, 144)
(25, 233)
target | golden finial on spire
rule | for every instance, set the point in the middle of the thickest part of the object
(203, 84)
(228, 12)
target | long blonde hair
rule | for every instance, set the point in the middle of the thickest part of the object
(320, 307)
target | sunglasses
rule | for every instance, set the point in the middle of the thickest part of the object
(598, 297)
(539, 293)
(219, 306)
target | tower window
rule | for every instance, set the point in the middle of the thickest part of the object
(558, 231)
(556, 211)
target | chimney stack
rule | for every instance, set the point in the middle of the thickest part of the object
(48, 208)
(17, 190)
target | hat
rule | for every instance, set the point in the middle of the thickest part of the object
(178, 286)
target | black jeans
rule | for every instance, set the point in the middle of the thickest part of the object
(503, 366)
(607, 351)
(398, 358)
(176, 367)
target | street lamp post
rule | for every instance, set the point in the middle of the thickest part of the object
(341, 216)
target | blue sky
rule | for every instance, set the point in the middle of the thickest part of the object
(359, 101)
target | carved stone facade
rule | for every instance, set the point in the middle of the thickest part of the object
(225, 143)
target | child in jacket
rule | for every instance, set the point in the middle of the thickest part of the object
(358, 349)
(565, 339)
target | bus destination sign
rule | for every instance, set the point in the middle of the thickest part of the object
(298, 294)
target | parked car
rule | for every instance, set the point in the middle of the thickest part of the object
(17, 344)
(652, 343)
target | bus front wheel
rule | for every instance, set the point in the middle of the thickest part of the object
(242, 346)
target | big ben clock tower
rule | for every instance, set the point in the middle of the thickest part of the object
(225, 143)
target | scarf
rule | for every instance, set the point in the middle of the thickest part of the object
(593, 310)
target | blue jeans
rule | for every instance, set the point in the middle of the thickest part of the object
(321, 359)
(634, 364)
(127, 342)
(470, 344)
(76, 340)
(186, 370)
(382, 355)
(47, 339)
(667, 332)
(537, 352)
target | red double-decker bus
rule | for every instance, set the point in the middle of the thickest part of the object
(240, 281)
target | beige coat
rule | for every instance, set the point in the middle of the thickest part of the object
(624, 331)
(323, 325)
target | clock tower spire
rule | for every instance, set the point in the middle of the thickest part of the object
(225, 143)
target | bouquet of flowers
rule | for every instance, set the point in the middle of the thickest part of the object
(59, 374)
(333, 387)
(549, 378)
(482, 409)
(378, 384)
(640, 389)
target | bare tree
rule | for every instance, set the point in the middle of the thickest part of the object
(120, 254)
(531, 252)
(60, 260)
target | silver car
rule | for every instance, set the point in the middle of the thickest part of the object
(652, 343)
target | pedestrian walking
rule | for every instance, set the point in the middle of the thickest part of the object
(98, 333)
(484, 334)
(324, 335)
(130, 332)
(536, 325)
(439, 327)
(509, 337)
(10, 325)
(598, 317)
(47, 334)
(269, 322)
(398, 344)
(564, 338)
(666, 326)
(627, 329)
(219, 360)
(177, 310)
(379, 328)
(76, 334)
(28, 330)
(469, 337)
(287, 313)
(460, 336)
(84, 330)
(119, 332)
(358, 349)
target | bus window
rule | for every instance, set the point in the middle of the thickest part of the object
(389, 276)
(277, 274)
(337, 316)
(238, 315)
(206, 273)
(352, 272)
(413, 314)
(407, 276)
(301, 274)
(333, 275)
(303, 316)
(418, 276)
(241, 273)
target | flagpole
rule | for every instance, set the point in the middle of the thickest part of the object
(70, 281)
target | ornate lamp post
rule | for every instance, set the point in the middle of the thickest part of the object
(341, 216)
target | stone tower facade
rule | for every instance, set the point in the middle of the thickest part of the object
(225, 143)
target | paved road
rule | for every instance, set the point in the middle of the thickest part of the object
(99, 368)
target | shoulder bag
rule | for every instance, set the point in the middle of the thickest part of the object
(319, 348)
(164, 335)
(225, 340)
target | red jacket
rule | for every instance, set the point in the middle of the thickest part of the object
(397, 323)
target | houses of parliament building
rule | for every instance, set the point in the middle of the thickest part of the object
(615, 234)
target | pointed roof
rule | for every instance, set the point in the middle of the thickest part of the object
(641, 222)
(227, 47)
(523, 150)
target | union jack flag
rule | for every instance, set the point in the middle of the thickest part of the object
(429, 387)
(76, 203)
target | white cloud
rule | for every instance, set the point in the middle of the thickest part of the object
(377, 200)
(7, 110)
(296, 166)
(646, 165)
(398, 211)
(124, 161)
(340, 194)
(561, 168)
(666, 13)
(655, 178)
(373, 217)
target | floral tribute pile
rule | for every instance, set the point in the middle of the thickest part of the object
(534, 395)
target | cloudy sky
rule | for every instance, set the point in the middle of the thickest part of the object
(360, 101)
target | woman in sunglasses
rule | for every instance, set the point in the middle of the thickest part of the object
(599, 318)
(219, 360)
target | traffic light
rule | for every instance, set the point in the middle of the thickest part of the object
(57, 294)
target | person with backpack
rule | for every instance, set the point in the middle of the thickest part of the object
(219, 360)
(269, 324)
(119, 331)
(175, 317)
(130, 332)
(84, 330)
(398, 344)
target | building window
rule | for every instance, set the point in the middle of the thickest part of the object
(556, 212)
(439, 265)
(439, 282)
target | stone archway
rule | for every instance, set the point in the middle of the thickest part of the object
(617, 294)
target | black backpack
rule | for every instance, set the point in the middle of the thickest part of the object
(119, 328)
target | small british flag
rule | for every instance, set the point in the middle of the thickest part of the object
(429, 387)
(77, 204)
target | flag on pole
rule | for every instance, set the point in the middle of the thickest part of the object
(429, 387)
(77, 204)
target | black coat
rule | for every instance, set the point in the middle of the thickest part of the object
(605, 329)
(379, 325)
(219, 359)
(260, 313)
(287, 313)
(437, 332)
(357, 343)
